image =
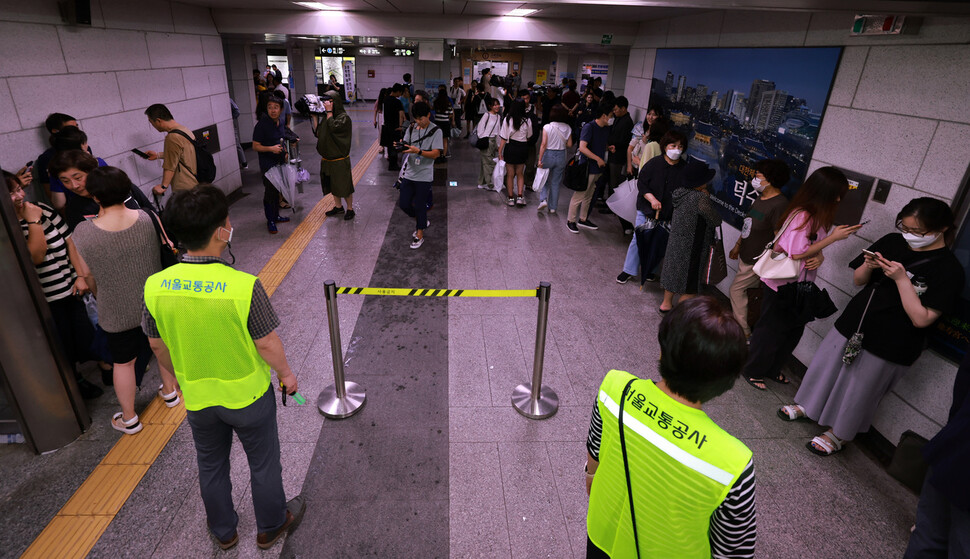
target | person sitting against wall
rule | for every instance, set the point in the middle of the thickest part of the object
(121, 249)
(63, 277)
(910, 278)
(71, 168)
(663, 479)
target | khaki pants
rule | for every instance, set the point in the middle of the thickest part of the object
(488, 163)
(579, 203)
(745, 279)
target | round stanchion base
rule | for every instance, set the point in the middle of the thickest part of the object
(546, 406)
(334, 407)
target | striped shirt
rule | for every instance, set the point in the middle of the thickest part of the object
(733, 525)
(56, 274)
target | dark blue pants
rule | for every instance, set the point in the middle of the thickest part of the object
(942, 530)
(255, 425)
(414, 201)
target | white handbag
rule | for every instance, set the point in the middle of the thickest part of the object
(777, 265)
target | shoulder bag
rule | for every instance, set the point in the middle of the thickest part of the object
(576, 175)
(482, 143)
(777, 265)
(715, 268)
(169, 254)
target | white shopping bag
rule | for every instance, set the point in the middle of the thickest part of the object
(541, 175)
(498, 175)
(623, 202)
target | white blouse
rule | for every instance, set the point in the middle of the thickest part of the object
(557, 133)
(520, 134)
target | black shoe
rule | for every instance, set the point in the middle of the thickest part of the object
(295, 508)
(336, 211)
(271, 227)
(350, 215)
(587, 224)
(571, 225)
(281, 219)
(623, 277)
(88, 391)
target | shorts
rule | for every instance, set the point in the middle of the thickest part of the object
(127, 345)
(515, 153)
(445, 128)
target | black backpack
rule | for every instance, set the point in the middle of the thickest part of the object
(205, 166)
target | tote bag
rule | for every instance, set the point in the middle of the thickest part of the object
(776, 265)
(715, 268)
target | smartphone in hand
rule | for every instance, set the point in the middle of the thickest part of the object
(868, 252)
(139, 153)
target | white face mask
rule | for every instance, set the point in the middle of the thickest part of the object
(757, 185)
(674, 154)
(915, 241)
(229, 240)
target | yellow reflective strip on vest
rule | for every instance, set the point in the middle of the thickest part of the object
(687, 459)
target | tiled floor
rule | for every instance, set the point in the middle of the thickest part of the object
(514, 485)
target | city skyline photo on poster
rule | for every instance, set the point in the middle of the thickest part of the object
(739, 106)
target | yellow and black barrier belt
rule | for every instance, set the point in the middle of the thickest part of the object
(405, 292)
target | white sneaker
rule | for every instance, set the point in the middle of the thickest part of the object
(552, 211)
(482, 186)
(542, 205)
(416, 242)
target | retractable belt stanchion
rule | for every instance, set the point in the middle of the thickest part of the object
(532, 399)
(341, 399)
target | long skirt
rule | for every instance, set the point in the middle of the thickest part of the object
(845, 397)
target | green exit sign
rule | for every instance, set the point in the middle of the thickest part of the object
(607, 39)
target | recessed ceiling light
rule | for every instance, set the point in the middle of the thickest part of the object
(523, 47)
(549, 44)
(315, 5)
(521, 12)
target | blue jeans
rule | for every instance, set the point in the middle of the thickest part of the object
(255, 425)
(555, 161)
(414, 201)
(632, 263)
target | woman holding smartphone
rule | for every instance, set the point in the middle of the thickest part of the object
(909, 277)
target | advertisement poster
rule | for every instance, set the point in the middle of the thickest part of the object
(739, 106)
(350, 80)
(541, 76)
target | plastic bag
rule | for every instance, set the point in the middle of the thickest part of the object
(623, 202)
(283, 178)
(542, 174)
(498, 175)
(91, 308)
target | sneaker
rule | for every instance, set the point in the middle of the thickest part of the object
(482, 186)
(571, 225)
(623, 277)
(552, 211)
(336, 211)
(172, 399)
(416, 242)
(282, 219)
(511, 201)
(271, 227)
(295, 508)
(349, 215)
(520, 201)
(650, 277)
(542, 205)
(88, 390)
(129, 427)
(588, 224)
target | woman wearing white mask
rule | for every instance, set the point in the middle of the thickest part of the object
(758, 230)
(910, 278)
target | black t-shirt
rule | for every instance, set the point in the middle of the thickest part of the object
(79, 208)
(392, 112)
(660, 179)
(269, 133)
(759, 226)
(888, 331)
(620, 135)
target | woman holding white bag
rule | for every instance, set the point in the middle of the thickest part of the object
(556, 137)
(802, 236)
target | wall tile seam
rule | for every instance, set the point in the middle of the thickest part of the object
(65, 74)
(925, 154)
(914, 408)
(20, 124)
(936, 120)
(861, 72)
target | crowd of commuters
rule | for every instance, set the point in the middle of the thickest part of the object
(93, 232)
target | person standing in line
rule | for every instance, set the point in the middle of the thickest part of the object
(592, 144)
(663, 479)
(220, 340)
(556, 138)
(277, 75)
(334, 137)
(488, 127)
(645, 140)
(513, 148)
(423, 144)
(621, 131)
(178, 156)
(756, 232)
(457, 93)
(393, 127)
(472, 103)
(268, 143)
(444, 118)
(121, 249)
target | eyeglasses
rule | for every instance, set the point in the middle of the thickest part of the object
(903, 229)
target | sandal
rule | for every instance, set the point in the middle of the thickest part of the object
(780, 379)
(825, 444)
(793, 412)
(758, 383)
(129, 427)
(171, 400)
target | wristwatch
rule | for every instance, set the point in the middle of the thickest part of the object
(38, 222)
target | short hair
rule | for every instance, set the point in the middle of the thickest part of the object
(558, 113)
(702, 349)
(602, 109)
(672, 137)
(274, 65)
(275, 99)
(72, 159)
(194, 215)
(621, 101)
(407, 77)
(775, 170)
(424, 94)
(159, 111)
(55, 121)
(573, 85)
(109, 185)
(68, 138)
(397, 88)
(420, 109)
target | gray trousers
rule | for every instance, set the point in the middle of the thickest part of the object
(255, 425)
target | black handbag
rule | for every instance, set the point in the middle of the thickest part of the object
(169, 254)
(576, 175)
(806, 300)
(482, 143)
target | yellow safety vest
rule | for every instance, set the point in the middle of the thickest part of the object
(202, 314)
(682, 466)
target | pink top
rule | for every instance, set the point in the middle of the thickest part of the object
(795, 240)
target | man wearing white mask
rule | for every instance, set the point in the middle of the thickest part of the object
(758, 230)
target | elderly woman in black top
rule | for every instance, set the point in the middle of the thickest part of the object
(910, 278)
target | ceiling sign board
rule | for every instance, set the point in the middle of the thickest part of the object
(607, 39)
(431, 50)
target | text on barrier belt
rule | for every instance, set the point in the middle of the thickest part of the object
(405, 292)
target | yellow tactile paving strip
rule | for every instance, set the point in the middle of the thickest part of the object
(86, 515)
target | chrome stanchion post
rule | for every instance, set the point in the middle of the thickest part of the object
(532, 399)
(341, 399)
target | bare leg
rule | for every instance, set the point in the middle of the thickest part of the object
(668, 302)
(169, 382)
(350, 202)
(124, 384)
(510, 180)
(520, 174)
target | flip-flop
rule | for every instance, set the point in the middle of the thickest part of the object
(780, 379)
(753, 380)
